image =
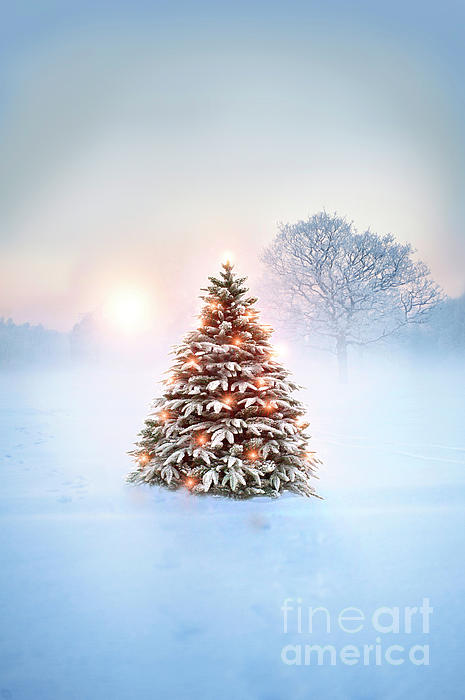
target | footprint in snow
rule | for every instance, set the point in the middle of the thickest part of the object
(64, 499)
(187, 631)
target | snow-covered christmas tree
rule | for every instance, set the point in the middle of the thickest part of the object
(228, 422)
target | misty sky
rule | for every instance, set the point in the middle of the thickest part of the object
(140, 140)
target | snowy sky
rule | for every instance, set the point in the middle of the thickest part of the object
(140, 140)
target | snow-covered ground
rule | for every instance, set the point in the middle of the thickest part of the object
(112, 591)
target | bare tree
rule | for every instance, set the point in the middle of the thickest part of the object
(348, 287)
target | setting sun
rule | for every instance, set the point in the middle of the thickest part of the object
(128, 309)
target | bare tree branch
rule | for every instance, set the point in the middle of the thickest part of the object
(355, 288)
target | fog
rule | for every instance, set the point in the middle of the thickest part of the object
(118, 591)
(140, 141)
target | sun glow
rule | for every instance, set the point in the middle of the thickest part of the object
(128, 309)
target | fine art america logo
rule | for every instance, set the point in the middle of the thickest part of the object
(382, 625)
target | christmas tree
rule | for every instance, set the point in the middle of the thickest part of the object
(227, 422)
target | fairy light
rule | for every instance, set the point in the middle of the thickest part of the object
(253, 454)
(227, 258)
(202, 439)
(164, 415)
(143, 459)
(227, 399)
(193, 363)
(280, 350)
(190, 482)
(260, 382)
(269, 406)
(237, 341)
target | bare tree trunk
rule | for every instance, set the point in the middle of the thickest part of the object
(341, 352)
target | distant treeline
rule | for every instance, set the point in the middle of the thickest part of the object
(27, 344)
(444, 333)
(442, 336)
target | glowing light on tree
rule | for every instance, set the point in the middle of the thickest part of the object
(227, 257)
(280, 350)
